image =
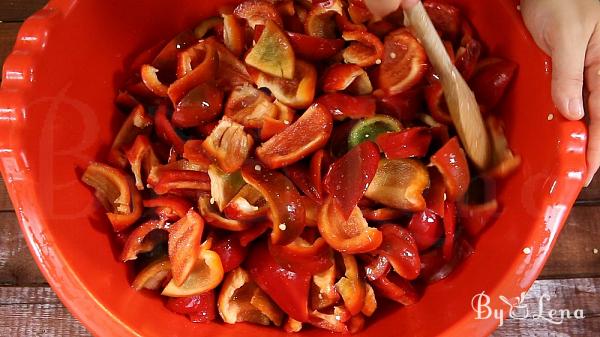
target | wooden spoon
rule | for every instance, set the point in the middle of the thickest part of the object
(461, 101)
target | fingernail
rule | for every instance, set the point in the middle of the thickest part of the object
(576, 108)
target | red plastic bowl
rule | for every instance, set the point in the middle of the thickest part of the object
(57, 114)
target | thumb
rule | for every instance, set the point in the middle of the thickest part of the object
(568, 59)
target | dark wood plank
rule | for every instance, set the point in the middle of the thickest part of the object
(35, 312)
(569, 295)
(592, 192)
(8, 34)
(19, 10)
(5, 204)
(16, 264)
(577, 251)
(28, 311)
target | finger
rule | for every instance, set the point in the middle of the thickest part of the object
(568, 58)
(593, 85)
(381, 8)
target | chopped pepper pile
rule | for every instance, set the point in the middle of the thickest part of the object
(294, 163)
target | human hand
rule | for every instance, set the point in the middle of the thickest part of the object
(381, 8)
(568, 31)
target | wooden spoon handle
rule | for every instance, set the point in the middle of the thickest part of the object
(461, 101)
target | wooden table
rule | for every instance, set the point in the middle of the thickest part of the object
(29, 307)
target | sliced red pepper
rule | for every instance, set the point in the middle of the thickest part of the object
(153, 275)
(382, 214)
(165, 130)
(342, 106)
(184, 245)
(170, 206)
(206, 25)
(224, 186)
(141, 157)
(351, 286)
(332, 322)
(292, 325)
(201, 104)
(166, 60)
(345, 24)
(467, 56)
(356, 323)
(307, 134)
(349, 177)
(206, 274)
(298, 92)
(404, 62)
(349, 77)
(435, 195)
(358, 11)
(352, 235)
(411, 142)
(323, 293)
(426, 228)
(150, 78)
(231, 72)
(320, 20)
(287, 208)
(229, 144)
(247, 205)
(234, 34)
(138, 122)
(435, 268)
(141, 241)
(370, 302)
(505, 161)
(169, 180)
(250, 107)
(449, 230)
(491, 79)
(273, 42)
(194, 153)
(177, 165)
(199, 308)
(376, 266)
(399, 183)
(211, 214)
(436, 103)
(452, 163)
(401, 250)
(258, 12)
(475, 218)
(246, 237)
(230, 251)
(319, 161)
(300, 175)
(365, 49)
(196, 72)
(314, 48)
(117, 194)
(396, 289)
(403, 106)
(288, 289)
(271, 127)
(303, 257)
(241, 300)
(446, 18)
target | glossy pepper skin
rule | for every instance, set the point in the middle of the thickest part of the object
(288, 289)
(200, 308)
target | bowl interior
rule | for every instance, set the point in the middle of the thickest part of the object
(70, 119)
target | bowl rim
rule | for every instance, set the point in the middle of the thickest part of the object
(15, 88)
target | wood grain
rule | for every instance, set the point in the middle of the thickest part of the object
(35, 312)
(16, 264)
(19, 10)
(573, 255)
(8, 34)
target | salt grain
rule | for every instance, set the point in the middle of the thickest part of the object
(393, 55)
(550, 117)
(595, 250)
(257, 167)
(212, 201)
(286, 122)
(378, 61)
(519, 7)
(282, 226)
(526, 250)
